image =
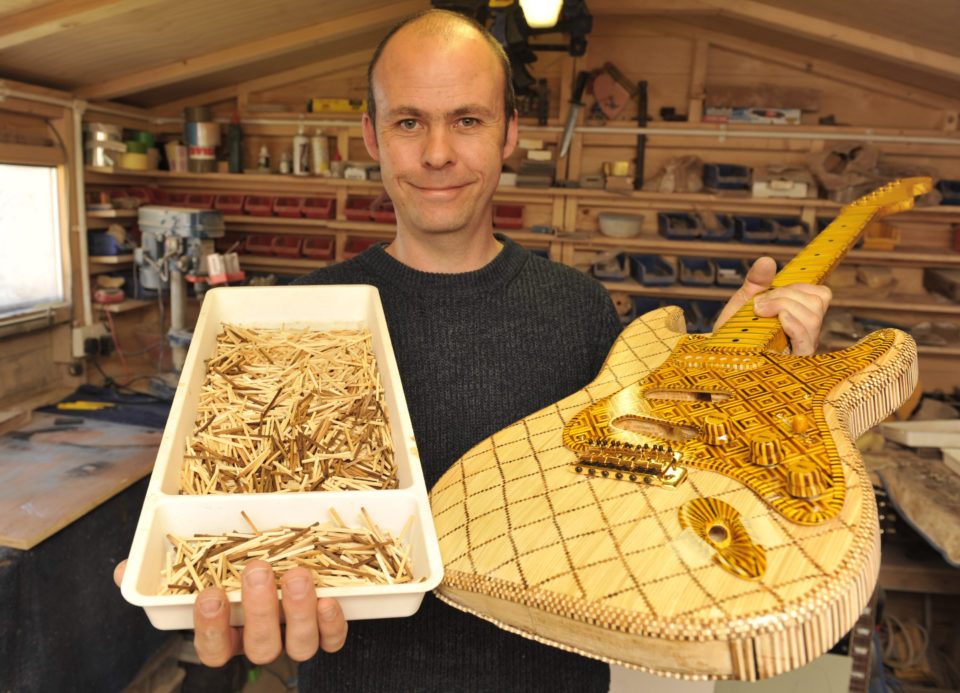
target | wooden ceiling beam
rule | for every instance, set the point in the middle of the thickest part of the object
(804, 25)
(320, 68)
(262, 49)
(601, 7)
(802, 62)
(51, 18)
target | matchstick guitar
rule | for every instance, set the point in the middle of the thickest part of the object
(700, 509)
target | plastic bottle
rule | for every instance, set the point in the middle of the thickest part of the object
(235, 144)
(336, 166)
(320, 155)
(285, 162)
(301, 153)
(263, 159)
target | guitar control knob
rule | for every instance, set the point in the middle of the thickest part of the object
(805, 479)
(716, 429)
(765, 450)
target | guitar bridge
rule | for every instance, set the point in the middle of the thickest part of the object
(655, 466)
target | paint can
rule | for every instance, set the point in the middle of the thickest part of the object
(203, 138)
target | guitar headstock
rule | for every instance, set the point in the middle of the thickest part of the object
(893, 197)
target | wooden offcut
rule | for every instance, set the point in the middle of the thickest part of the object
(336, 556)
(290, 410)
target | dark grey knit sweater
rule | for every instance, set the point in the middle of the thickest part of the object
(476, 352)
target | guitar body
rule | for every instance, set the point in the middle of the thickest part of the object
(699, 510)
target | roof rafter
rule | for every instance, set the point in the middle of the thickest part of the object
(250, 52)
(51, 18)
(320, 68)
(799, 24)
(803, 62)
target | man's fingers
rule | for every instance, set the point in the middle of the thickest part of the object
(216, 642)
(119, 571)
(333, 626)
(759, 277)
(300, 612)
(800, 309)
(262, 642)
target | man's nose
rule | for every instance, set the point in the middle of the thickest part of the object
(438, 149)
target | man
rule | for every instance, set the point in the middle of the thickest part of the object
(484, 332)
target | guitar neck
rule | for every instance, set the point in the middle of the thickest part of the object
(744, 331)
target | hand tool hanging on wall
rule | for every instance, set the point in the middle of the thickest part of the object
(576, 103)
(641, 138)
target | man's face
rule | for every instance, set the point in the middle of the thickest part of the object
(440, 131)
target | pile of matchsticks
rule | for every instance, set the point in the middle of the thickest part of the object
(336, 555)
(290, 410)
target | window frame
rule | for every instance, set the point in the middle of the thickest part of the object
(44, 315)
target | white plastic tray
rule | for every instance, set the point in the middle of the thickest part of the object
(165, 511)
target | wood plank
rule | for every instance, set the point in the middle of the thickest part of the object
(52, 17)
(923, 434)
(798, 23)
(58, 468)
(237, 56)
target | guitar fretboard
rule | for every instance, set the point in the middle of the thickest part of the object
(744, 331)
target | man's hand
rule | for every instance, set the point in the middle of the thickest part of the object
(311, 623)
(799, 307)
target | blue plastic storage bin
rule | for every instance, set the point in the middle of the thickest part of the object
(723, 232)
(102, 244)
(652, 270)
(950, 189)
(697, 271)
(616, 270)
(726, 176)
(730, 271)
(754, 229)
(678, 225)
(790, 230)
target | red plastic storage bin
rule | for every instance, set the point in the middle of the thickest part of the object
(358, 208)
(200, 200)
(355, 246)
(318, 248)
(383, 212)
(508, 216)
(258, 205)
(318, 207)
(260, 244)
(178, 199)
(287, 206)
(287, 246)
(229, 204)
(226, 242)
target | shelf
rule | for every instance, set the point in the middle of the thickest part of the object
(657, 245)
(111, 259)
(112, 213)
(124, 306)
(929, 574)
(279, 264)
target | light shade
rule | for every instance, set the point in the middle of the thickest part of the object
(541, 14)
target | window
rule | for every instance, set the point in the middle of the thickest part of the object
(31, 269)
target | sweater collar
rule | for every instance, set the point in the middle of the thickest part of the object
(492, 275)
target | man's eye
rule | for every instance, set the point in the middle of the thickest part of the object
(408, 124)
(468, 122)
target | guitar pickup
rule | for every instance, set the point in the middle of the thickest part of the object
(652, 465)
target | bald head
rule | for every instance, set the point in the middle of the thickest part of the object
(449, 27)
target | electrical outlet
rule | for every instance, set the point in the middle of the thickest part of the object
(80, 335)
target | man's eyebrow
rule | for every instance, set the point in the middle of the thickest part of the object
(460, 111)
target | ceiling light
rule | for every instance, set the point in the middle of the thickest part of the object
(541, 14)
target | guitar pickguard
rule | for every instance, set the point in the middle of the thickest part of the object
(756, 418)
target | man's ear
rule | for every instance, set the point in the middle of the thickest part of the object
(370, 136)
(513, 134)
